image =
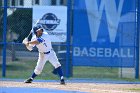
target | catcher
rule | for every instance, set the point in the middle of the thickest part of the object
(42, 41)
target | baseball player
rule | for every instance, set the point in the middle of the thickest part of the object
(46, 53)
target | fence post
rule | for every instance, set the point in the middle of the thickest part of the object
(138, 36)
(137, 45)
(68, 65)
(4, 39)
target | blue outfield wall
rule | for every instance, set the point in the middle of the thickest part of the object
(104, 33)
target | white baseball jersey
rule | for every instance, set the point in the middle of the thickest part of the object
(44, 47)
(44, 42)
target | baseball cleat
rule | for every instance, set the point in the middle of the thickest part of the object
(29, 80)
(62, 82)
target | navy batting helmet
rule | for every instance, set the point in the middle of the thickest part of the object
(36, 28)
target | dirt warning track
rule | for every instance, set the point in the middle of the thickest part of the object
(79, 87)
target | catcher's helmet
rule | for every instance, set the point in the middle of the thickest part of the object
(36, 28)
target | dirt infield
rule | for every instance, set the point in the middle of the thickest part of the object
(82, 87)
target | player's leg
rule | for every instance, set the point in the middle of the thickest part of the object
(60, 73)
(38, 69)
(58, 70)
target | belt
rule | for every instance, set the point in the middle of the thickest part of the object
(46, 52)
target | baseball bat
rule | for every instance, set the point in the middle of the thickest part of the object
(37, 22)
(29, 34)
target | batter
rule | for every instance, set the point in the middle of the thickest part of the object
(46, 53)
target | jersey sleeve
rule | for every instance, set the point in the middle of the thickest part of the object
(40, 40)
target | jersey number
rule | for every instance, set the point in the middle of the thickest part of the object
(45, 45)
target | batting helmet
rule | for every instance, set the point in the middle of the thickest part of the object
(36, 28)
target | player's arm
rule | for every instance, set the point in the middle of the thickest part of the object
(35, 42)
(28, 46)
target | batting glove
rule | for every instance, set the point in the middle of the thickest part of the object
(25, 41)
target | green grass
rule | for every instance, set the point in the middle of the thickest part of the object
(95, 72)
(135, 89)
(23, 69)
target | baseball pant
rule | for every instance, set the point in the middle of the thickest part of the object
(43, 58)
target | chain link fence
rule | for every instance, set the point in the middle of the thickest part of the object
(20, 62)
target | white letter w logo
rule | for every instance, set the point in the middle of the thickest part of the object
(94, 16)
